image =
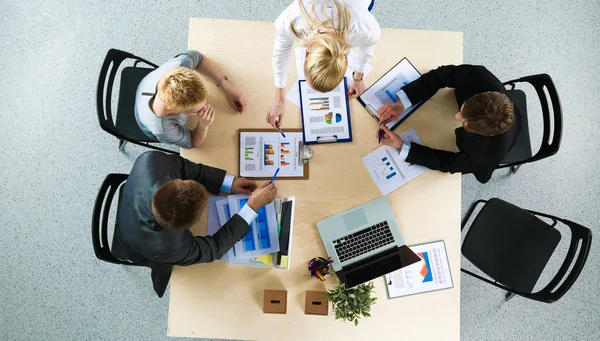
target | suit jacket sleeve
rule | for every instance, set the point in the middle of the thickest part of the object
(208, 248)
(448, 76)
(211, 178)
(445, 161)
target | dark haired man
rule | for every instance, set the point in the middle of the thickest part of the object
(490, 123)
(163, 197)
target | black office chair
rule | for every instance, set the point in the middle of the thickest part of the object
(100, 217)
(512, 246)
(125, 128)
(521, 152)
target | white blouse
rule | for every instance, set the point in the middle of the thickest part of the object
(364, 34)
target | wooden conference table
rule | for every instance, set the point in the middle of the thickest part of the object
(224, 301)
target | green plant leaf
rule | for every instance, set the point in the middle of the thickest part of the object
(355, 322)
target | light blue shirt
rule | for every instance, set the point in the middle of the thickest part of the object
(246, 212)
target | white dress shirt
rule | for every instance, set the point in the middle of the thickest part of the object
(364, 33)
(246, 212)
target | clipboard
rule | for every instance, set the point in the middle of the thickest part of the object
(328, 137)
(378, 84)
(304, 154)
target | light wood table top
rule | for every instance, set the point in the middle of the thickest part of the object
(221, 301)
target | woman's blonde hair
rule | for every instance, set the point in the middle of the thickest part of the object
(181, 89)
(327, 45)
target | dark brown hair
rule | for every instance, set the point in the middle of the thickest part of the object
(488, 113)
(178, 204)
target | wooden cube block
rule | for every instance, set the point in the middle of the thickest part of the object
(275, 302)
(316, 303)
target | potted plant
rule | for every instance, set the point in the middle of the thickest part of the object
(352, 304)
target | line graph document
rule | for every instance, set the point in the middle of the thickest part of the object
(387, 169)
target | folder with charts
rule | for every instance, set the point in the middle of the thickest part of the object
(430, 274)
(386, 168)
(325, 116)
(262, 152)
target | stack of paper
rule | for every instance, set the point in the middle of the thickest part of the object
(263, 246)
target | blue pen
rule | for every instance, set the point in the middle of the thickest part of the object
(391, 96)
(380, 133)
(274, 176)
(282, 134)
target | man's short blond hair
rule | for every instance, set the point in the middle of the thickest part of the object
(181, 89)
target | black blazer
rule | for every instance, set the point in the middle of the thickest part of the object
(478, 154)
(139, 238)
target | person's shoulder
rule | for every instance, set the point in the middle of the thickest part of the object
(152, 157)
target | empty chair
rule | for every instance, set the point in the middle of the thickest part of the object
(512, 246)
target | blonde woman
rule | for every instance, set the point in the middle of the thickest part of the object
(328, 29)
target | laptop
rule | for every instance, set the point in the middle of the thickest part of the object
(365, 243)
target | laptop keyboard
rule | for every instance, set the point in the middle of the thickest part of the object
(363, 241)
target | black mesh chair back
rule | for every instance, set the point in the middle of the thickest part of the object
(101, 214)
(512, 246)
(521, 151)
(125, 127)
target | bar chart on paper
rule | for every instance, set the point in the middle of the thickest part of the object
(387, 169)
(261, 153)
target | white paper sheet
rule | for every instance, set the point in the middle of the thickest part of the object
(386, 168)
(400, 75)
(262, 153)
(430, 274)
(293, 95)
(324, 115)
(263, 237)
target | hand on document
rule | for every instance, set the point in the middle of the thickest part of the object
(263, 195)
(356, 89)
(390, 112)
(243, 186)
(389, 138)
(275, 114)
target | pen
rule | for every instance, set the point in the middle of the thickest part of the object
(391, 95)
(380, 133)
(274, 175)
(282, 134)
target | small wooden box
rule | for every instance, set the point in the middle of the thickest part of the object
(316, 303)
(275, 302)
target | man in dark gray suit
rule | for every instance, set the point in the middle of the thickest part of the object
(163, 197)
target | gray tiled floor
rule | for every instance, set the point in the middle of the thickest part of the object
(55, 156)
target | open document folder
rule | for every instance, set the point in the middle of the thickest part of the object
(392, 82)
(280, 238)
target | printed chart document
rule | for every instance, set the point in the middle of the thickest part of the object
(263, 237)
(261, 153)
(300, 56)
(393, 81)
(430, 274)
(387, 169)
(325, 116)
